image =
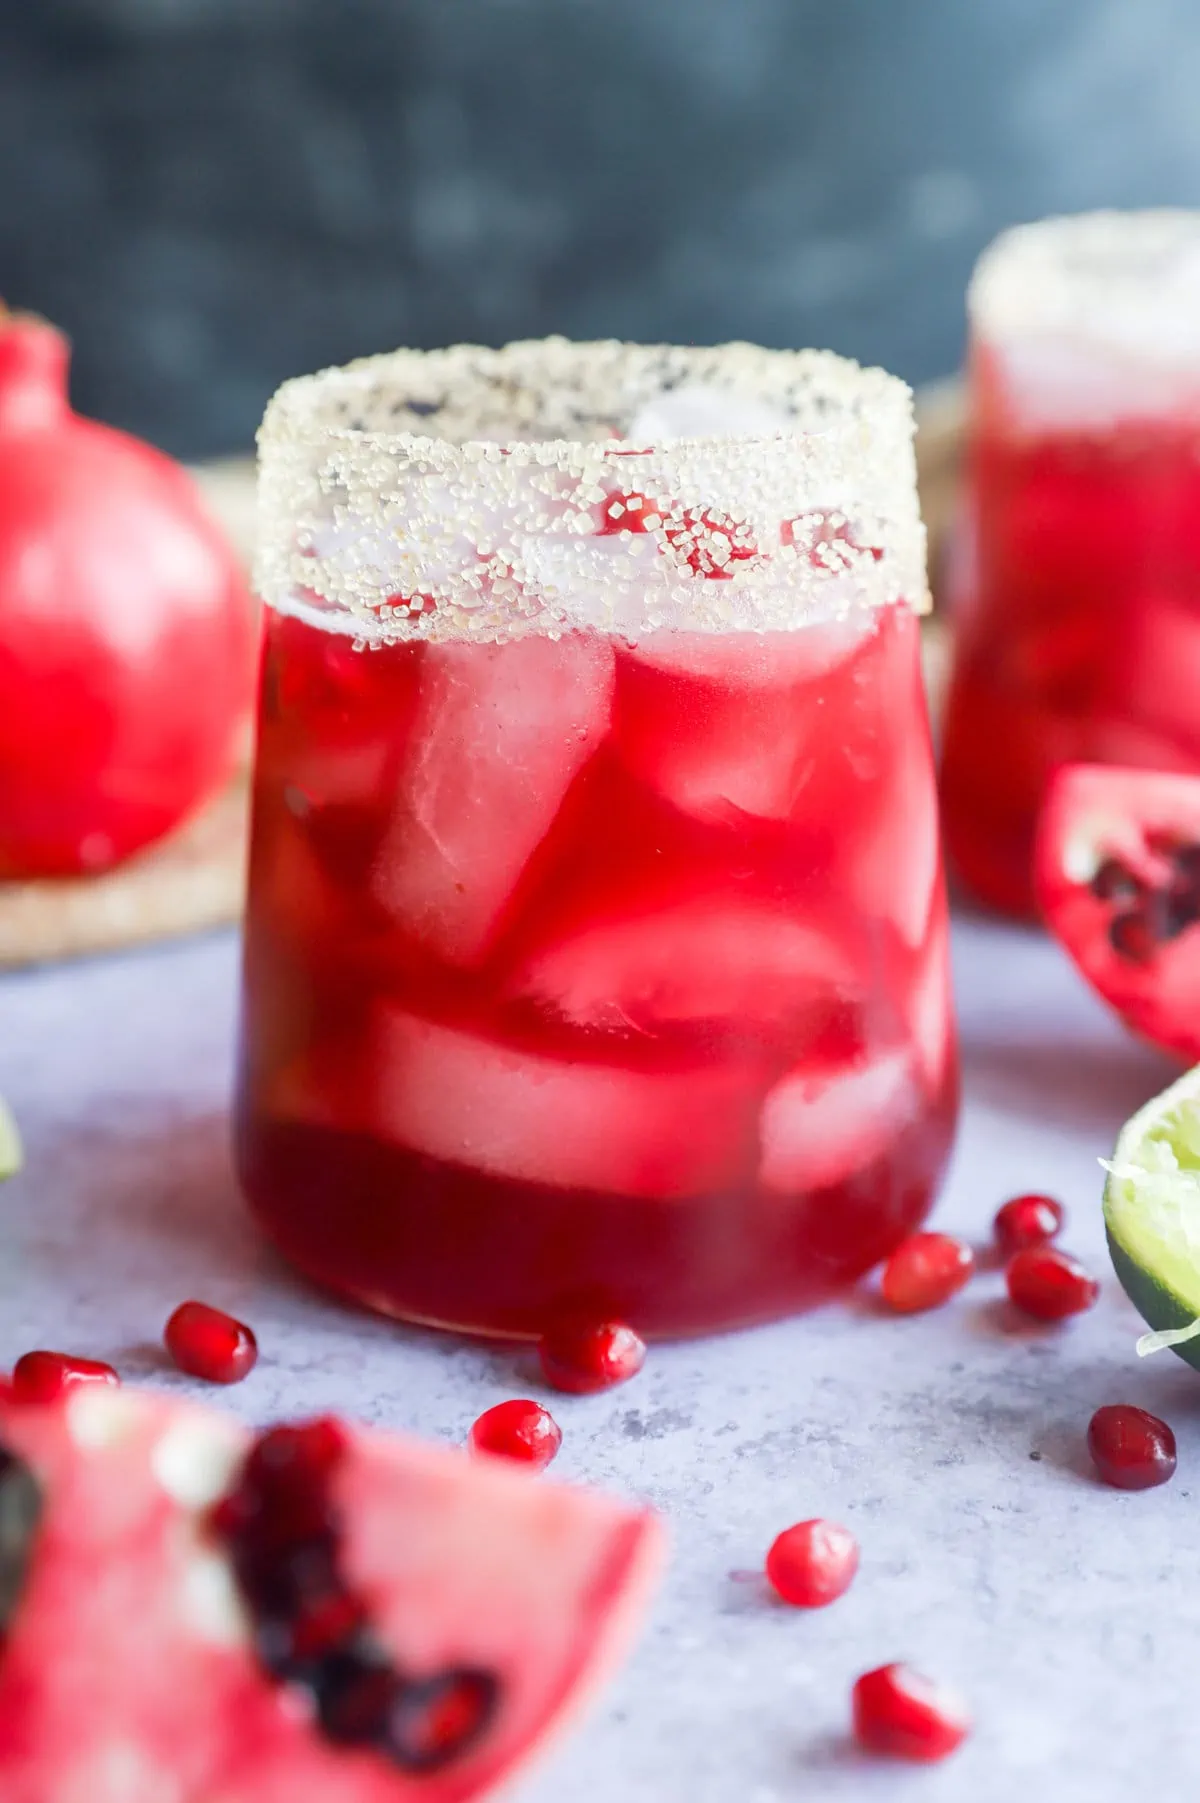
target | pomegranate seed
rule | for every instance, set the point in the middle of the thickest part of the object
(206, 1342)
(297, 1454)
(583, 1357)
(523, 1431)
(288, 1471)
(1049, 1284)
(812, 1563)
(707, 541)
(42, 1377)
(906, 1716)
(1133, 1449)
(627, 513)
(318, 1627)
(1028, 1221)
(436, 1718)
(924, 1271)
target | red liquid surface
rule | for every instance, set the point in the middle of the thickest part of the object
(1079, 632)
(586, 976)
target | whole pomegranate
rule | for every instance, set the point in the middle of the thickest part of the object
(127, 634)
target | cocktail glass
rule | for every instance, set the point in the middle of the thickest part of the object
(596, 953)
(1077, 593)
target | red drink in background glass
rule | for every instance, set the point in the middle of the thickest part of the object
(1077, 606)
(599, 965)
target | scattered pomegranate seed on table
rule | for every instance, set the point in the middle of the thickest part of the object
(812, 1563)
(43, 1377)
(924, 1271)
(584, 1358)
(1028, 1221)
(519, 1430)
(904, 1715)
(1132, 1449)
(205, 1342)
(1050, 1284)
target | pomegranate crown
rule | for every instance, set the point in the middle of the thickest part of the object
(33, 372)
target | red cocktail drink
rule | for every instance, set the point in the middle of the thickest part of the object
(1078, 604)
(596, 956)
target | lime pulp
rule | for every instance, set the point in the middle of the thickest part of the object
(10, 1144)
(1152, 1215)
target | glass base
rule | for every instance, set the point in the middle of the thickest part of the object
(444, 1247)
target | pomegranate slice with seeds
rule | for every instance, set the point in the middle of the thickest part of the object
(585, 1356)
(1117, 870)
(44, 1377)
(519, 1430)
(924, 1271)
(359, 1618)
(1049, 1284)
(904, 1715)
(1029, 1220)
(1132, 1449)
(812, 1563)
(205, 1342)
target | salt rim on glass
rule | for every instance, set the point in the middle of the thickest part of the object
(471, 492)
(1092, 318)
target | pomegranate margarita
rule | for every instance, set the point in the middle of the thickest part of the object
(596, 956)
(1078, 591)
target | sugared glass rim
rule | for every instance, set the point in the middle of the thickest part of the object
(1128, 282)
(488, 518)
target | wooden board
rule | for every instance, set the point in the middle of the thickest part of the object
(195, 879)
(191, 881)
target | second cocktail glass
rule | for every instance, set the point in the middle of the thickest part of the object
(596, 956)
(1077, 598)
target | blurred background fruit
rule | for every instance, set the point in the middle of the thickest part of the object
(127, 635)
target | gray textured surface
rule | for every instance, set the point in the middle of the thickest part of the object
(952, 1444)
(214, 194)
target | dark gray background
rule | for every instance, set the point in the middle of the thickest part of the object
(213, 194)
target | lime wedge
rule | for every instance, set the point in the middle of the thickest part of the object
(1152, 1214)
(10, 1145)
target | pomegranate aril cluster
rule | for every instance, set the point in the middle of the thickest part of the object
(896, 1711)
(312, 1629)
(205, 1342)
(1147, 915)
